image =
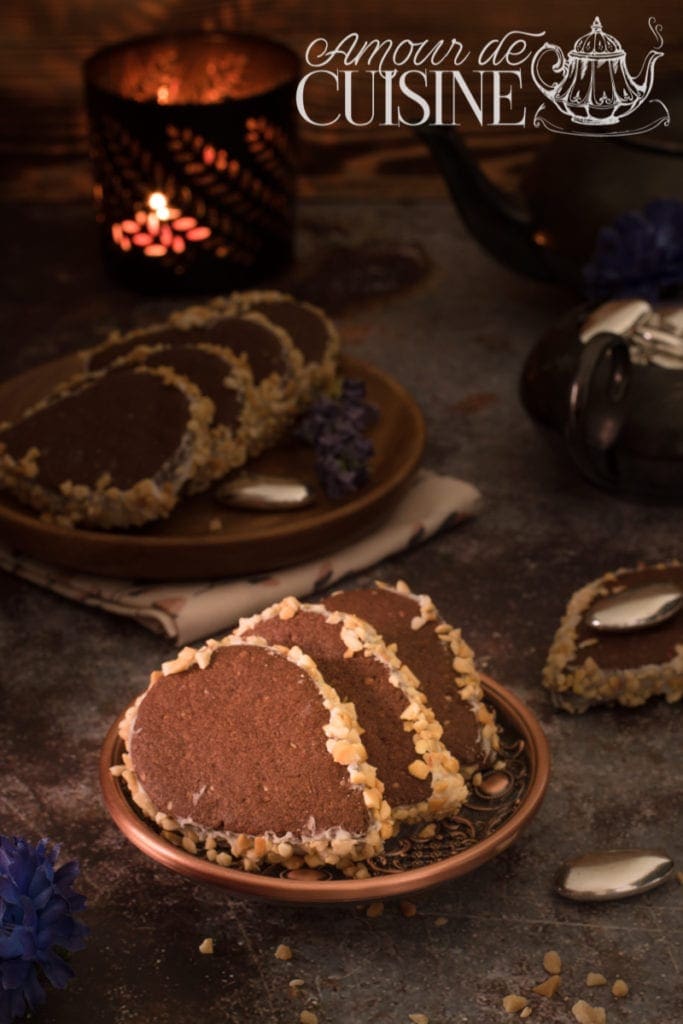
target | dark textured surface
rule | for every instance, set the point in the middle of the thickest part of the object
(456, 340)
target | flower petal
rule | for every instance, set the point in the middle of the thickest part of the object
(11, 945)
(14, 973)
(57, 971)
(34, 993)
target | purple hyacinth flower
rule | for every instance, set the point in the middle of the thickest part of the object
(37, 923)
(639, 255)
(335, 429)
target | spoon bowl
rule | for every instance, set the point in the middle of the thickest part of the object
(612, 874)
(636, 608)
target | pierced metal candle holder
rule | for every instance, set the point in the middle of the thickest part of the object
(192, 141)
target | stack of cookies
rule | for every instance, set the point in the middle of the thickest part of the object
(310, 734)
(168, 409)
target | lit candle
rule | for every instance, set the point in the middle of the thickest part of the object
(192, 142)
(159, 230)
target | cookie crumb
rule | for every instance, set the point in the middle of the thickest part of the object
(552, 962)
(407, 908)
(283, 952)
(296, 987)
(308, 1017)
(418, 1018)
(593, 978)
(440, 922)
(584, 1013)
(375, 910)
(526, 1012)
(549, 987)
(206, 946)
(513, 1003)
(619, 988)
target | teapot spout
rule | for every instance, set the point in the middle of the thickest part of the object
(505, 231)
(646, 76)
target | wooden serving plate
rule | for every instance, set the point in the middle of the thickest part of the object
(183, 546)
(485, 826)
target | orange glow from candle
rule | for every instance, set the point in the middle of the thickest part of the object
(184, 224)
(198, 234)
(159, 230)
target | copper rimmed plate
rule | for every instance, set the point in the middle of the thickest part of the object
(492, 820)
(184, 546)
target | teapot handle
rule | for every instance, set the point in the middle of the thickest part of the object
(560, 61)
(597, 407)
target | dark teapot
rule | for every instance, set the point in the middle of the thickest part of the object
(573, 187)
(610, 382)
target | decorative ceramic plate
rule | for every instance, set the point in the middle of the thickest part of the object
(183, 546)
(493, 818)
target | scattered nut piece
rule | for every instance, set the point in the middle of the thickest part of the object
(552, 962)
(593, 979)
(439, 922)
(514, 1003)
(375, 910)
(308, 1017)
(549, 987)
(206, 946)
(296, 983)
(418, 1018)
(584, 1013)
(283, 952)
(526, 1012)
(679, 876)
(407, 908)
(619, 988)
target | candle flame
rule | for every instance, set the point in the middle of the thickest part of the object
(158, 202)
(163, 94)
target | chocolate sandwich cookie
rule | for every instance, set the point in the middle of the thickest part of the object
(311, 331)
(267, 351)
(439, 659)
(401, 735)
(586, 667)
(242, 752)
(111, 449)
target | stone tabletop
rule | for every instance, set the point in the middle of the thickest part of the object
(414, 295)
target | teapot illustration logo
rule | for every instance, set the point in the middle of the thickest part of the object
(595, 93)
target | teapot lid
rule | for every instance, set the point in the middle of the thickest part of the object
(597, 43)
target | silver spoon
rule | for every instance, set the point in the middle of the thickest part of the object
(264, 493)
(636, 608)
(612, 874)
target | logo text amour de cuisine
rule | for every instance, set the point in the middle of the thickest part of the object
(417, 82)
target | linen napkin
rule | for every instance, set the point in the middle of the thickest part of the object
(189, 611)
